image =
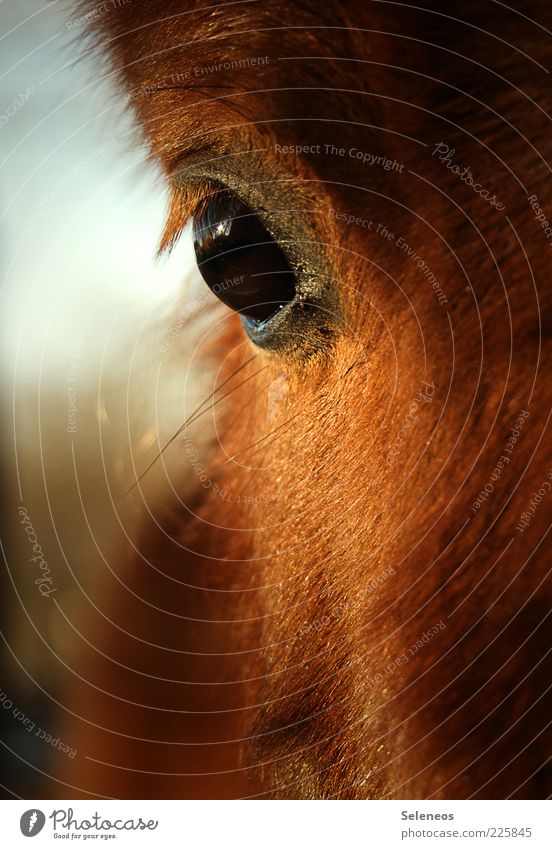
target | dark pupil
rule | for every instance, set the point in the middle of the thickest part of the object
(239, 260)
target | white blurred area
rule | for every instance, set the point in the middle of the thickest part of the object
(88, 394)
(81, 211)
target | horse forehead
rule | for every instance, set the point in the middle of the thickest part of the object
(239, 47)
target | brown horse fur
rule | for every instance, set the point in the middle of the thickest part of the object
(345, 618)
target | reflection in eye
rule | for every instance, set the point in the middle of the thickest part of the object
(239, 260)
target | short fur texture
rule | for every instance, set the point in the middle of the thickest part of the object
(252, 646)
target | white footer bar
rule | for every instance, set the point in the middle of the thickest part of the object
(282, 825)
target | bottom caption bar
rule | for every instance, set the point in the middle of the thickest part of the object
(244, 824)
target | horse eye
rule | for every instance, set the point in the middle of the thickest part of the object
(240, 261)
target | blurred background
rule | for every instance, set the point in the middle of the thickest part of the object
(92, 382)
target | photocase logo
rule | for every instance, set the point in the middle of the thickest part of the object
(32, 822)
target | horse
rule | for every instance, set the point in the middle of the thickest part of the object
(344, 590)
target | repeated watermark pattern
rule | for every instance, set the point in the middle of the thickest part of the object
(180, 78)
(193, 307)
(424, 395)
(536, 500)
(96, 13)
(381, 230)
(337, 612)
(215, 488)
(405, 656)
(331, 148)
(445, 155)
(16, 105)
(366, 158)
(31, 727)
(45, 580)
(47, 202)
(501, 463)
(75, 355)
(544, 222)
(424, 268)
